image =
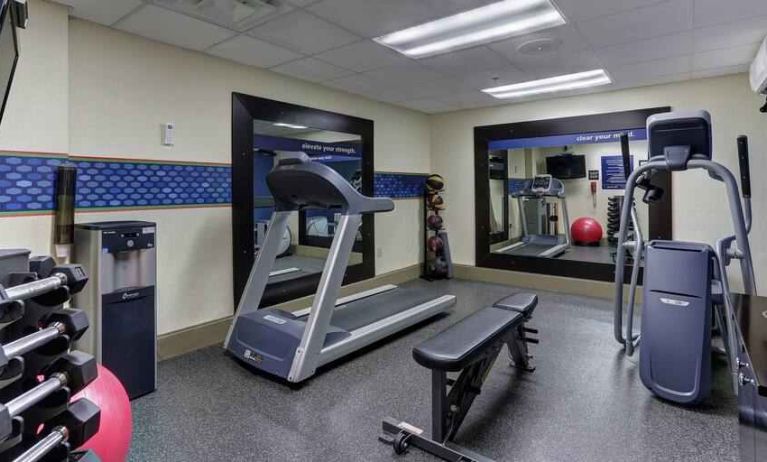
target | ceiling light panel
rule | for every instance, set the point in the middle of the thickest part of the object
(556, 84)
(486, 24)
(238, 15)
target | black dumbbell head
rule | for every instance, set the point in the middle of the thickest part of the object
(82, 421)
(76, 276)
(80, 369)
(42, 266)
(75, 321)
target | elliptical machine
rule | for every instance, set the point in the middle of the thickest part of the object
(685, 287)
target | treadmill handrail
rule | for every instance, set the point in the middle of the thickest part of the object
(298, 183)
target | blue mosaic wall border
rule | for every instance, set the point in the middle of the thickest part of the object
(398, 185)
(26, 183)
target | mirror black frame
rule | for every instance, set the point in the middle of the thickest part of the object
(246, 109)
(660, 221)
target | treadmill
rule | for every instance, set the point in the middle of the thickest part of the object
(540, 245)
(292, 345)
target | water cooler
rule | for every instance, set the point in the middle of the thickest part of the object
(121, 299)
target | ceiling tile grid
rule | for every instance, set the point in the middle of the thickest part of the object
(638, 42)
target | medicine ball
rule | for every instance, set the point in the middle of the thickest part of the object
(435, 183)
(434, 222)
(435, 244)
(436, 202)
(586, 231)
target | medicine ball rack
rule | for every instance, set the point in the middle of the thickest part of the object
(39, 372)
(437, 262)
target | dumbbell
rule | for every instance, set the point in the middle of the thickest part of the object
(73, 427)
(65, 280)
(73, 371)
(70, 322)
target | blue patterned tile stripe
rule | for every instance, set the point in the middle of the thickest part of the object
(398, 185)
(26, 183)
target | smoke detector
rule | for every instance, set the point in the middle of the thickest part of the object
(239, 15)
(539, 46)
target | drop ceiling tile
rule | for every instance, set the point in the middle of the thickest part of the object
(457, 63)
(232, 14)
(402, 75)
(732, 34)
(708, 12)
(558, 63)
(253, 52)
(105, 12)
(734, 56)
(579, 10)
(717, 71)
(470, 100)
(371, 18)
(429, 106)
(565, 39)
(425, 89)
(647, 50)
(302, 3)
(311, 69)
(355, 83)
(174, 28)
(479, 80)
(303, 32)
(640, 73)
(363, 56)
(664, 18)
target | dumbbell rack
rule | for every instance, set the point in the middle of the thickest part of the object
(39, 372)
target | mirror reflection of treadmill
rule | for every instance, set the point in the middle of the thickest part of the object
(540, 238)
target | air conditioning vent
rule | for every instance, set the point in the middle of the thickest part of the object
(758, 73)
(238, 15)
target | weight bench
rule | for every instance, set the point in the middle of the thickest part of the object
(469, 347)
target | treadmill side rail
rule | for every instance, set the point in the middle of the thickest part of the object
(307, 356)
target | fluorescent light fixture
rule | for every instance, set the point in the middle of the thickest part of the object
(489, 23)
(566, 82)
(297, 127)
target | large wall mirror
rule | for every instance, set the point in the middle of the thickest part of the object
(262, 128)
(549, 193)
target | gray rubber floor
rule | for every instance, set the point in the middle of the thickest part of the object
(585, 402)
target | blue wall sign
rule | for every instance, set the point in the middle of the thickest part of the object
(613, 176)
(568, 140)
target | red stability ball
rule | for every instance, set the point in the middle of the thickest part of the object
(113, 439)
(586, 231)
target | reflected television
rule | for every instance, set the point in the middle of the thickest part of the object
(566, 166)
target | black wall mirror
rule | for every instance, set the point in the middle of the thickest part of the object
(549, 193)
(262, 127)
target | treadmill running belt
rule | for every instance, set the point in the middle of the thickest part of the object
(528, 250)
(368, 310)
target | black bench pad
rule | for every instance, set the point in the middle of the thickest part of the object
(521, 303)
(461, 344)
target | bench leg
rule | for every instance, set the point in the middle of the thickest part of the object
(520, 354)
(439, 405)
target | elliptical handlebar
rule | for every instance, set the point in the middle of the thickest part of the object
(626, 154)
(745, 179)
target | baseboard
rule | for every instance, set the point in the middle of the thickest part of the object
(210, 333)
(560, 284)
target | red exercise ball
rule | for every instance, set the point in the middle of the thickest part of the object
(113, 439)
(586, 231)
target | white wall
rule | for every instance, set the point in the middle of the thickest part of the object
(700, 209)
(87, 90)
(36, 116)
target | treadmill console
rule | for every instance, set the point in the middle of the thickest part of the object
(541, 184)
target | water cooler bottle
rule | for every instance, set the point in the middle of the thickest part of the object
(121, 299)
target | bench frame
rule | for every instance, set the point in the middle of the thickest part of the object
(452, 398)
